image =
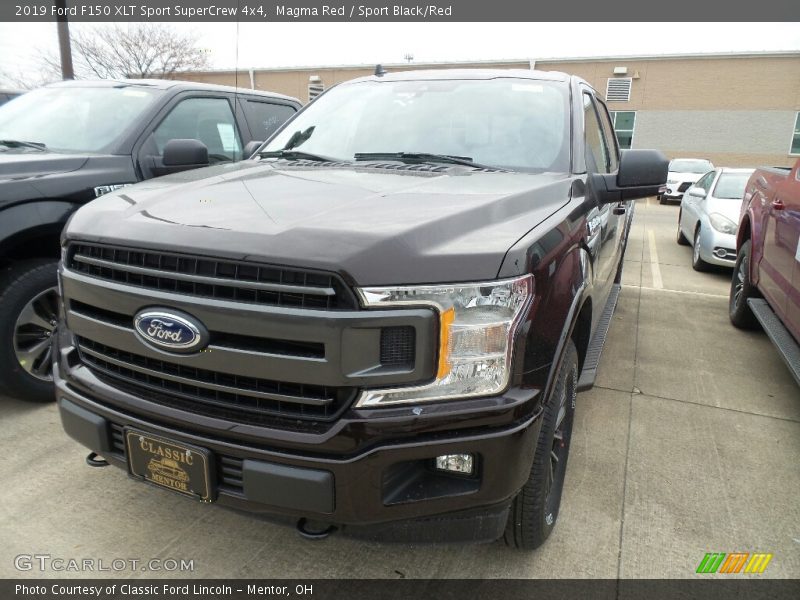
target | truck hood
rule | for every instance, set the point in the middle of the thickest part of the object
(375, 226)
(16, 164)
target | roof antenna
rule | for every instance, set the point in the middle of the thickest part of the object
(379, 72)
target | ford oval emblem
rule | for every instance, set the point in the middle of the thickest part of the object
(169, 330)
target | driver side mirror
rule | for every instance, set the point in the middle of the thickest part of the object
(697, 192)
(182, 155)
(641, 173)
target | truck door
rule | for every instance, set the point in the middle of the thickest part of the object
(606, 222)
(209, 119)
(780, 240)
(791, 200)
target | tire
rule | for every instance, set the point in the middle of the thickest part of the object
(534, 511)
(680, 238)
(28, 315)
(698, 264)
(738, 310)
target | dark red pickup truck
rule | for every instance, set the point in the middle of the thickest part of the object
(766, 279)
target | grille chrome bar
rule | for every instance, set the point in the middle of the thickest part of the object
(241, 283)
(211, 386)
(238, 398)
(239, 280)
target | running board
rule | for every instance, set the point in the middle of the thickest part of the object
(786, 345)
(598, 341)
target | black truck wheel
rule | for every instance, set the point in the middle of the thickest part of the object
(741, 289)
(28, 318)
(535, 509)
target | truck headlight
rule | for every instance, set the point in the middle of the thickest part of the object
(722, 224)
(477, 324)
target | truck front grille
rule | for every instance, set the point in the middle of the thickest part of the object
(212, 278)
(286, 349)
(233, 397)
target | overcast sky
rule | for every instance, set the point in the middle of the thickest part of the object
(317, 44)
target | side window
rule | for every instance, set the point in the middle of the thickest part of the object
(597, 155)
(209, 120)
(264, 118)
(611, 137)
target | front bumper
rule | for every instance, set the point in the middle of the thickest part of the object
(717, 248)
(675, 191)
(385, 490)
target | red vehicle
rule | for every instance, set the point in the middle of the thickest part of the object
(766, 279)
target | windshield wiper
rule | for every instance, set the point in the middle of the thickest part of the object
(295, 154)
(21, 144)
(422, 157)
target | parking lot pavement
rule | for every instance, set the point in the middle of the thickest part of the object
(688, 444)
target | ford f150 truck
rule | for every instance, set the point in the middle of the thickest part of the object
(378, 324)
(68, 143)
(766, 280)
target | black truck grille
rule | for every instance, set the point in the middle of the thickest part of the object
(232, 397)
(211, 278)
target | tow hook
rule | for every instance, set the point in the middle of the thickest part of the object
(94, 460)
(314, 530)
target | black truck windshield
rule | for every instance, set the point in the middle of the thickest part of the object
(511, 123)
(74, 119)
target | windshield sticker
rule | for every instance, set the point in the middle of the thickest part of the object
(226, 136)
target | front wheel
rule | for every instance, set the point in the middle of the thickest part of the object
(680, 238)
(535, 509)
(28, 319)
(698, 264)
(742, 289)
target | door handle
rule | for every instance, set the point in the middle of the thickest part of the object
(778, 204)
(619, 210)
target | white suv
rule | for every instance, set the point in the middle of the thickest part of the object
(683, 172)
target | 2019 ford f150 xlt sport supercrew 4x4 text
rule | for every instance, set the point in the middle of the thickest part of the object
(379, 324)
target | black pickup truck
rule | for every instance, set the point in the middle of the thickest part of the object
(379, 324)
(68, 143)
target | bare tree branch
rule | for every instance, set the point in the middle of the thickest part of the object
(136, 50)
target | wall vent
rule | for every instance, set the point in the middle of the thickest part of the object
(618, 89)
(315, 87)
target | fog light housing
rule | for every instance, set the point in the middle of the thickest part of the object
(462, 464)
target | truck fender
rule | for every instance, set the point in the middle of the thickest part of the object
(583, 290)
(40, 217)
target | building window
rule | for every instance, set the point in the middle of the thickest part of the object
(618, 89)
(795, 149)
(624, 123)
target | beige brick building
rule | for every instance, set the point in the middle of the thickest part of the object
(739, 109)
